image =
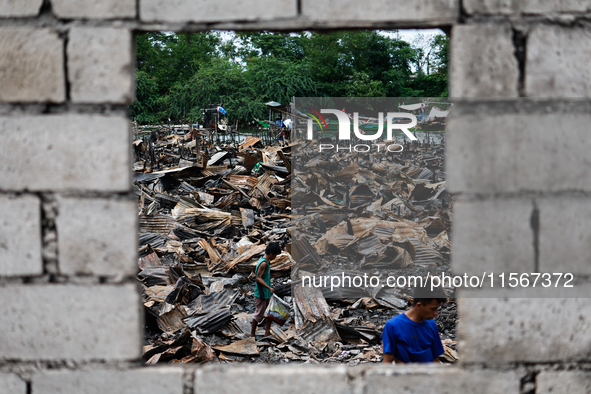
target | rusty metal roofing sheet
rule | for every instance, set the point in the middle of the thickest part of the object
(244, 347)
(160, 224)
(425, 255)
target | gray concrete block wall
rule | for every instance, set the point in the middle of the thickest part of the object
(441, 11)
(109, 251)
(19, 8)
(70, 322)
(84, 152)
(89, 9)
(216, 11)
(32, 64)
(439, 379)
(563, 382)
(10, 383)
(20, 236)
(145, 381)
(482, 62)
(536, 330)
(532, 7)
(66, 76)
(100, 65)
(550, 48)
(518, 137)
(501, 240)
(531, 151)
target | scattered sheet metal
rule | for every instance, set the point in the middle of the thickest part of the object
(244, 347)
(209, 322)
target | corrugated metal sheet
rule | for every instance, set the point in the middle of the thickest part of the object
(211, 302)
(153, 239)
(315, 312)
(150, 260)
(348, 172)
(242, 180)
(249, 142)
(210, 322)
(159, 224)
(425, 255)
(171, 321)
(218, 157)
(263, 184)
(146, 178)
(244, 347)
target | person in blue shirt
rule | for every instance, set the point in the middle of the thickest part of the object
(263, 290)
(412, 336)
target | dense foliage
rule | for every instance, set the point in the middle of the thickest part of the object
(180, 74)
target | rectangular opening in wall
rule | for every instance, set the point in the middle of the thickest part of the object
(238, 145)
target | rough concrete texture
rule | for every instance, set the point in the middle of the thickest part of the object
(31, 65)
(100, 65)
(563, 382)
(259, 379)
(439, 380)
(381, 10)
(97, 236)
(20, 236)
(52, 322)
(12, 384)
(65, 152)
(558, 62)
(502, 330)
(19, 8)
(215, 10)
(565, 235)
(91, 9)
(512, 153)
(482, 61)
(511, 7)
(492, 236)
(162, 380)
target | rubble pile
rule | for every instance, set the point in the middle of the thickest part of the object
(207, 212)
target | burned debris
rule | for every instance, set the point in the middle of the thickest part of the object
(208, 207)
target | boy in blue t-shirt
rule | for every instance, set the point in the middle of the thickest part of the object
(412, 337)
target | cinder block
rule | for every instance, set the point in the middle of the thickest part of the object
(215, 10)
(162, 380)
(90, 9)
(20, 236)
(65, 152)
(12, 384)
(558, 61)
(511, 7)
(100, 65)
(97, 236)
(439, 380)
(563, 382)
(565, 235)
(506, 153)
(504, 330)
(492, 236)
(381, 10)
(19, 8)
(259, 379)
(31, 65)
(56, 322)
(482, 62)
